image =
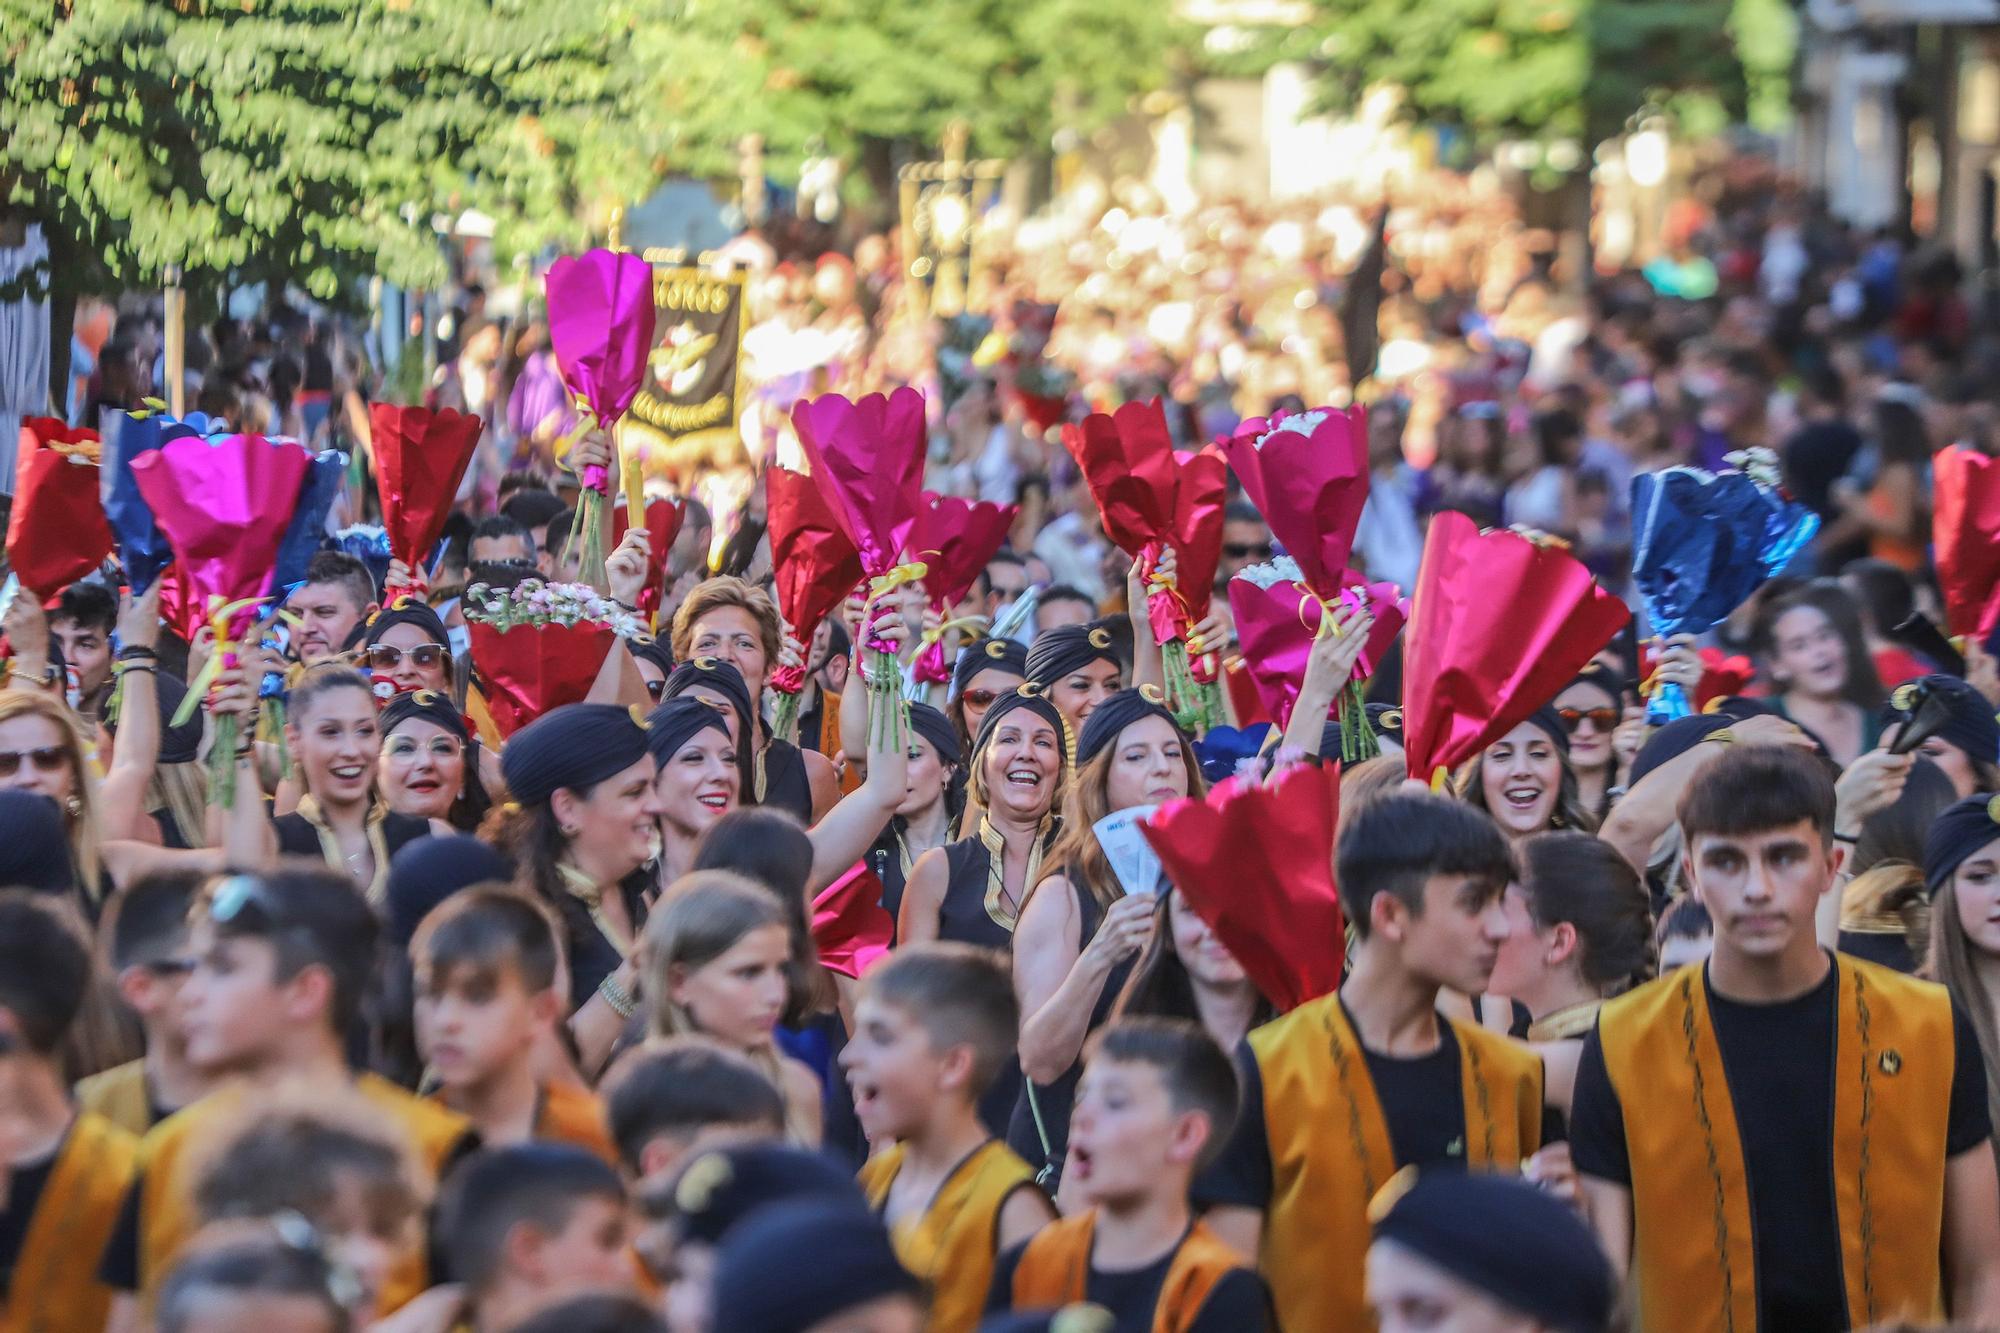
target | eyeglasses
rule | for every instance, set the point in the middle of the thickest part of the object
(48, 759)
(383, 657)
(1247, 550)
(1604, 719)
(980, 698)
(441, 747)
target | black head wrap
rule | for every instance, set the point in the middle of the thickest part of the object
(677, 721)
(1115, 714)
(936, 728)
(1386, 719)
(1962, 829)
(1548, 720)
(1674, 740)
(1514, 1242)
(649, 649)
(987, 655)
(429, 870)
(853, 1264)
(719, 1189)
(1604, 680)
(1970, 724)
(1057, 652)
(575, 746)
(34, 847)
(407, 611)
(1034, 702)
(720, 676)
(425, 705)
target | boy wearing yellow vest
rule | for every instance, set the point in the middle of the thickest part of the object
(1807, 1145)
(1156, 1101)
(63, 1173)
(1346, 1089)
(148, 930)
(486, 964)
(934, 1024)
(281, 962)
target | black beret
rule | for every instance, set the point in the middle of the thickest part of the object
(987, 655)
(936, 728)
(1960, 830)
(719, 1189)
(852, 1264)
(1035, 703)
(426, 871)
(720, 676)
(407, 611)
(676, 721)
(1514, 1242)
(1969, 724)
(1551, 722)
(428, 706)
(1115, 714)
(1057, 652)
(575, 746)
(1674, 740)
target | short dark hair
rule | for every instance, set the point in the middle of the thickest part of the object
(492, 1192)
(147, 920)
(556, 539)
(44, 968)
(532, 507)
(487, 928)
(679, 1085)
(90, 605)
(1240, 510)
(1757, 789)
(1198, 1074)
(600, 1313)
(1686, 918)
(1571, 876)
(1396, 843)
(959, 995)
(500, 528)
(1065, 592)
(338, 567)
(293, 1158)
(312, 918)
(268, 1266)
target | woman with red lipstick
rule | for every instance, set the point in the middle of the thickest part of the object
(430, 762)
(1080, 931)
(698, 781)
(407, 647)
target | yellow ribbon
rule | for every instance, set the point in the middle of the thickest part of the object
(220, 617)
(911, 571)
(1439, 778)
(90, 451)
(1326, 627)
(586, 421)
(936, 634)
(633, 478)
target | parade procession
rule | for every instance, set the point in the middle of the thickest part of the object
(771, 666)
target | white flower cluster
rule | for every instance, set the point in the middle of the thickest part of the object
(1283, 569)
(537, 603)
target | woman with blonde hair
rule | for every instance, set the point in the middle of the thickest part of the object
(716, 961)
(42, 751)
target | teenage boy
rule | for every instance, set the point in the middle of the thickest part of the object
(148, 933)
(1828, 1116)
(1345, 1089)
(679, 1096)
(261, 1282)
(933, 1026)
(1156, 1101)
(530, 1226)
(281, 961)
(487, 963)
(63, 1173)
(332, 605)
(81, 624)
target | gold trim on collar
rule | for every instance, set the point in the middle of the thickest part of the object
(329, 843)
(996, 872)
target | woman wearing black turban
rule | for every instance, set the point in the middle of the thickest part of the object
(924, 818)
(1078, 666)
(430, 761)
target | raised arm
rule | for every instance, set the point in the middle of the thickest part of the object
(1328, 667)
(136, 752)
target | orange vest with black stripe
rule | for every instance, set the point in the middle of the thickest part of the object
(1694, 1267)
(1331, 1151)
(571, 1115)
(1054, 1271)
(952, 1246)
(54, 1287)
(166, 1202)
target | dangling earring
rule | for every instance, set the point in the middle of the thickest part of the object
(74, 805)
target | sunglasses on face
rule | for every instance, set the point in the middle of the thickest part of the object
(440, 747)
(1604, 719)
(49, 759)
(980, 698)
(1247, 550)
(385, 658)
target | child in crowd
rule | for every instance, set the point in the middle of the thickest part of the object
(148, 931)
(263, 1283)
(1157, 1099)
(934, 1024)
(679, 1096)
(63, 1172)
(489, 993)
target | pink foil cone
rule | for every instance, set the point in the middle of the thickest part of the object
(1310, 484)
(850, 928)
(601, 326)
(224, 504)
(1277, 624)
(954, 538)
(868, 461)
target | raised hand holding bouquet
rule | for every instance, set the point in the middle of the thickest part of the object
(954, 538)
(1279, 618)
(815, 567)
(225, 505)
(421, 456)
(868, 461)
(1500, 622)
(540, 645)
(661, 520)
(601, 328)
(1255, 861)
(142, 547)
(1965, 535)
(1702, 542)
(56, 533)
(1151, 499)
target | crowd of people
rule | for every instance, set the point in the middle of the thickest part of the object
(433, 1024)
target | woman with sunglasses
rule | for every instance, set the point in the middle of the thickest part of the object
(1591, 708)
(1080, 930)
(1524, 780)
(42, 751)
(430, 763)
(981, 674)
(407, 646)
(737, 623)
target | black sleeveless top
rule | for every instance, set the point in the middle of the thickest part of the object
(1055, 1100)
(786, 786)
(298, 836)
(964, 915)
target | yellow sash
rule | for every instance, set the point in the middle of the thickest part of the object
(1331, 1151)
(952, 1246)
(1693, 1263)
(55, 1288)
(119, 1095)
(570, 1115)
(1055, 1271)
